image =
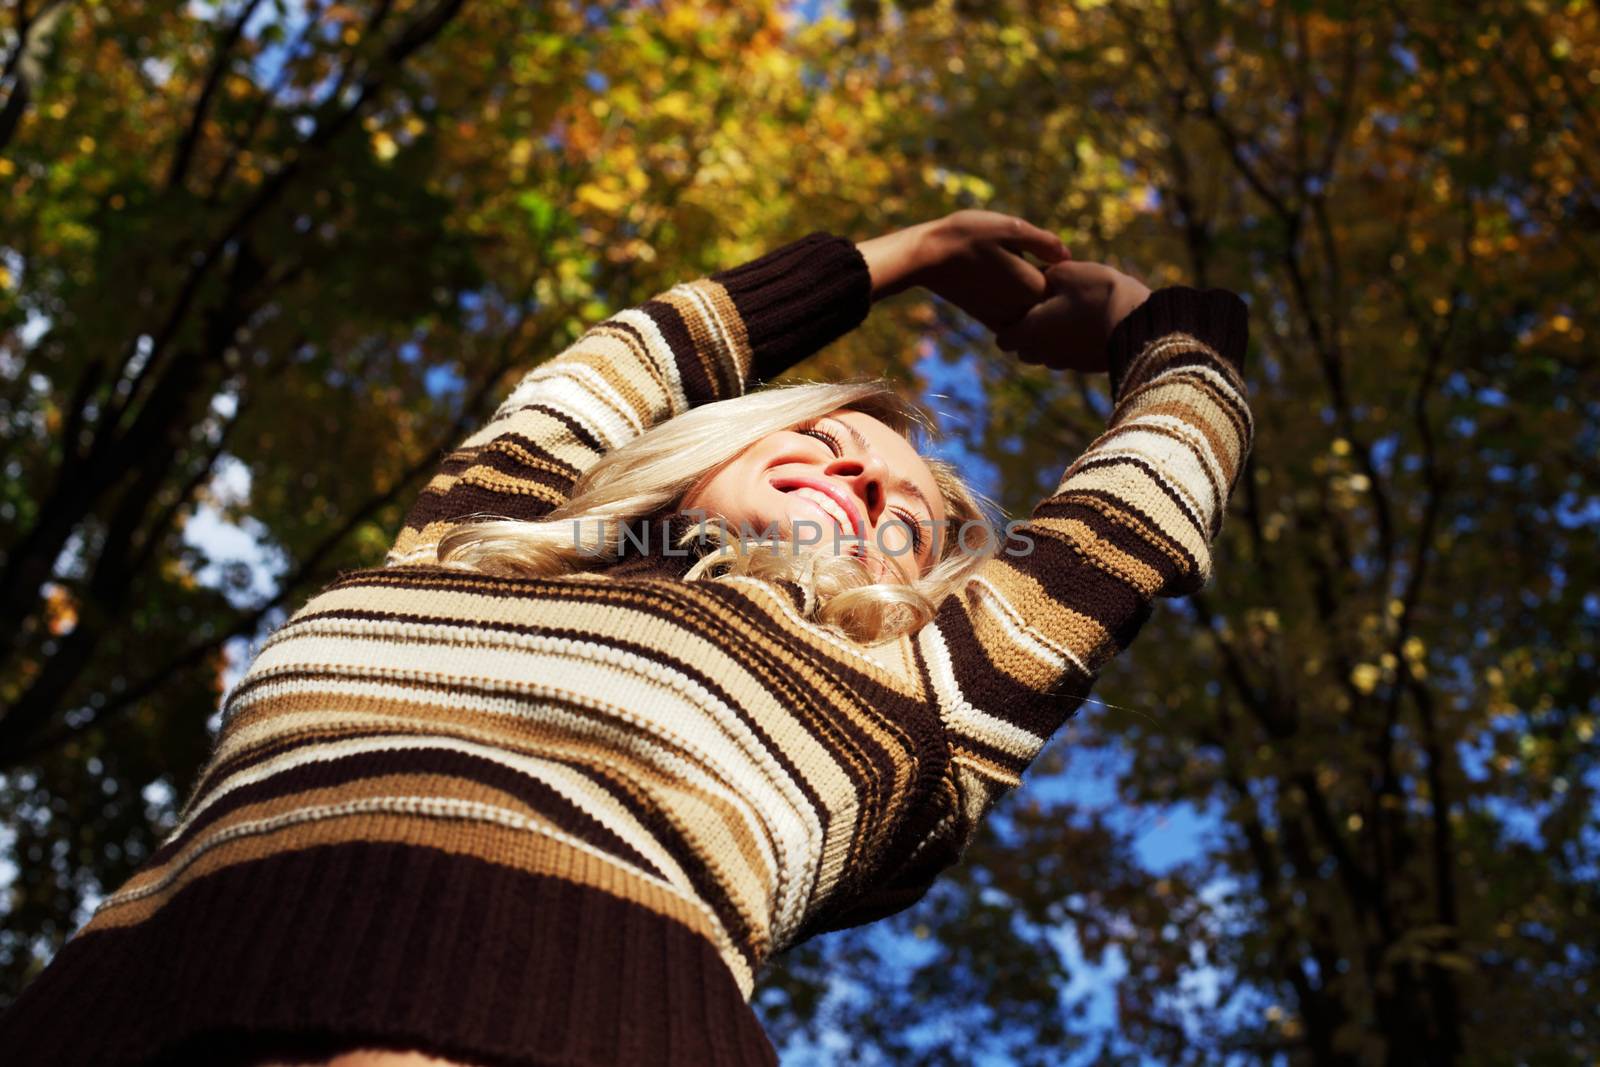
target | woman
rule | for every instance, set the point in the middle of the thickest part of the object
(546, 789)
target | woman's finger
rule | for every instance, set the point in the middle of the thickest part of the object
(1020, 235)
(1026, 332)
(1015, 233)
(999, 288)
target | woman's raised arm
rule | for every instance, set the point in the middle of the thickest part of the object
(1012, 655)
(697, 342)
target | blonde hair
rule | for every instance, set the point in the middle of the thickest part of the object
(648, 478)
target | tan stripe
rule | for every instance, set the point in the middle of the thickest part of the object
(303, 719)
(1131, 451)
(501, 482)
(1128, 481)
(721, 343)
(644, 361)
(1082, 539)
(749, 682)
(1228, 398)
(521, 850)
(735, 335)
(381, 785)
(611, 357)
(709, 824)
(514, 448)
(1033, 608)
(1176, 398)
(1134, 523)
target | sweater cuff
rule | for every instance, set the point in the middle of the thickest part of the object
(1215, 317)
(798, 298)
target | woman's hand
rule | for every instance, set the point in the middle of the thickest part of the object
(1069, 328)
(974, 259)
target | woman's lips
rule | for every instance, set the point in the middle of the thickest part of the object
(858, 524)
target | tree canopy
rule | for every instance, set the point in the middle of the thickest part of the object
(262, 261)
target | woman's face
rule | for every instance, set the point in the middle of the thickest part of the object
(845, 477)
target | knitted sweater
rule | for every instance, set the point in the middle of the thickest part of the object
(566, 820)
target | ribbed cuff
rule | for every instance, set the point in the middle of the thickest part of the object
(1216, 317)
(798, 298)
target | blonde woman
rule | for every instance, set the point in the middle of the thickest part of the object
(662, 676)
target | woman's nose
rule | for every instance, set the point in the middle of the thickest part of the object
(866, 478)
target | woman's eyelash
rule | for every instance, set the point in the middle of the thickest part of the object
(827, 438)
(916, 529)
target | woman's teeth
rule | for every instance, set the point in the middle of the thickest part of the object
(829, 506)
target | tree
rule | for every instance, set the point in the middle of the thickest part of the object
(353, 223)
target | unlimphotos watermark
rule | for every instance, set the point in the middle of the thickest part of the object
(893, 537)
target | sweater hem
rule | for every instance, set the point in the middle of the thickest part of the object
(383, 945)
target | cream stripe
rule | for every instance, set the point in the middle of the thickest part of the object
(1180, 387)
(726, 353)
(604, 403)
(660, 756)
(1169, 458)
(607, 619)
(1171, 346)
(507, 659)
(1208, 463)
(661, 356)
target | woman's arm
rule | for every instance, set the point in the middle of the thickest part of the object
(697, 342)
(709, 340)
(1013, 654)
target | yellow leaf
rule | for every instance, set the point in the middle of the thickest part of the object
(675, 105)
(600, 199)
(1365, 677)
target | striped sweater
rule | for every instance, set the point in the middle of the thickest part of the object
(566, 820)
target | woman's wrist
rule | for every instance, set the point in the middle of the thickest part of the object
(894, 260)
(1127, 294)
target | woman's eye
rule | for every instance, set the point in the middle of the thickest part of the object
(916, 530)
(824, 436)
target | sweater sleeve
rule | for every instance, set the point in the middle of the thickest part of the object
(1012, 655)
(697, 342)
